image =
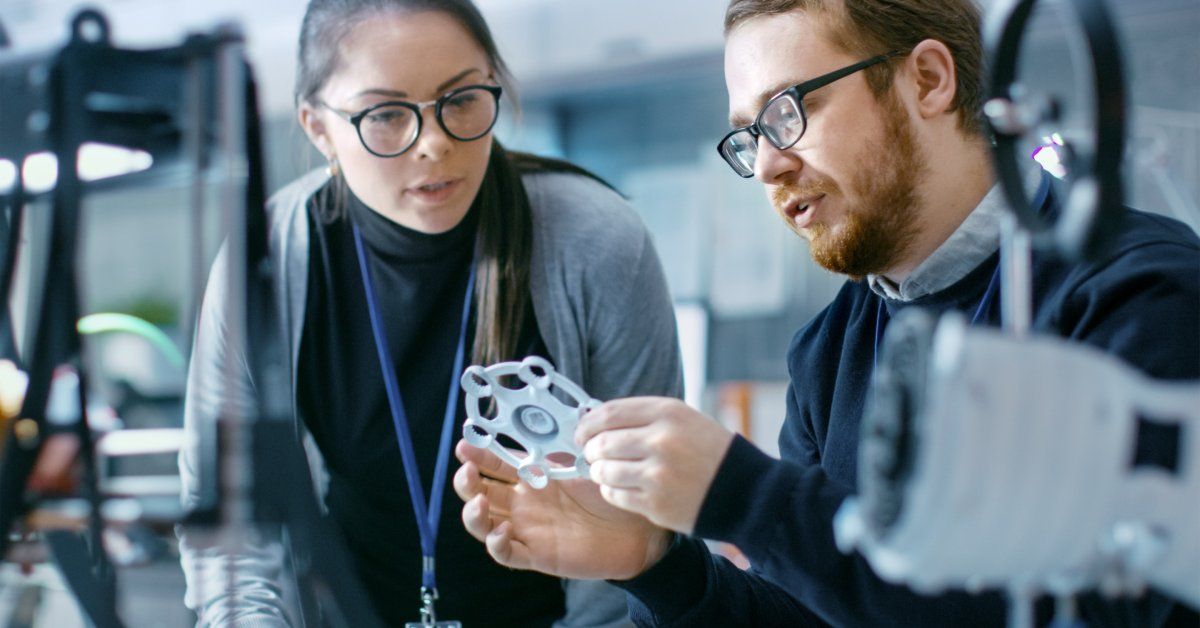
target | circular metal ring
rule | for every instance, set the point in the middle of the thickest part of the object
(534, 474)
(1091, 214)
(471, 379)
(90, 26)
(476, 435)
(525, 372)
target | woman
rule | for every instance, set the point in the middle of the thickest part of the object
(423, 240)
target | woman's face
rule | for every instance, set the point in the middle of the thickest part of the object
(413, 57)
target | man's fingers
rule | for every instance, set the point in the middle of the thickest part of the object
(618, 414)
(628, 499)
(619, 474)
(508, 551)
(619, 444)
(489, 464)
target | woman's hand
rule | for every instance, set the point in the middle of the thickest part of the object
(565, 529)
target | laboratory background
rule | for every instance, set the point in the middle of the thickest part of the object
(632, 90)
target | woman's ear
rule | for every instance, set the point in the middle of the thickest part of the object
(314, 127)
(931, 66)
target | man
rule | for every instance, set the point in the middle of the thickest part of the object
(879, 160)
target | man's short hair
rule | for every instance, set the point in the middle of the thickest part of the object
(865, 28)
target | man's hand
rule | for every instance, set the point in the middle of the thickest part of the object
(565, 529)
(653, 456)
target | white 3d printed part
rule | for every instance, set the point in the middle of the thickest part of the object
(530, 415)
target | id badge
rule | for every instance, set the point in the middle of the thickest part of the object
(438, 624)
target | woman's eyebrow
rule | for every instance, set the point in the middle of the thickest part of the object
(393, 93)
(457, 77)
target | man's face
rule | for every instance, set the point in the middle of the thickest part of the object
(849, 185)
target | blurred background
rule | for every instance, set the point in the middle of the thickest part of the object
(632, 90)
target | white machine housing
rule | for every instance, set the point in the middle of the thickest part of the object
(1022, 474)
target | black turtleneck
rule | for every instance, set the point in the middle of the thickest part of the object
(420, 281)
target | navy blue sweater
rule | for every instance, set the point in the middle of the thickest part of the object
(1142, 303)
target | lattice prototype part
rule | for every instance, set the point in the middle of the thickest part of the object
(531, 415)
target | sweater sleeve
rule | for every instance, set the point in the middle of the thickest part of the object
(633, 345)
(691, 587)
(780, 515)
(599, 291)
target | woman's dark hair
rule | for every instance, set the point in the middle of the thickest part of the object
(505, 233)
(327, 22)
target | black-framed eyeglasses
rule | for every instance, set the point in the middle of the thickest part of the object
(782, 120)
(388, 129)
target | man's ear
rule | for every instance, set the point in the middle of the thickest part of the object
(314, 127)
(931, 66)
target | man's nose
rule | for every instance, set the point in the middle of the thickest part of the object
(772, 165)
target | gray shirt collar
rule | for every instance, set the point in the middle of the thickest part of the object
(976, 239)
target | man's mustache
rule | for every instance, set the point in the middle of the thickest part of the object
(784, 193)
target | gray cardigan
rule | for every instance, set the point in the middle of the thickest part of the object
(601, 304)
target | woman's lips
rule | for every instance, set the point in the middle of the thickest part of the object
(434, 192)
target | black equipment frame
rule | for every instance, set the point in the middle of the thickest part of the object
(195, 106)
(1093, 208)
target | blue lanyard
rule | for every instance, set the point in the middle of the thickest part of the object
(427, 517)
(881, 315)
